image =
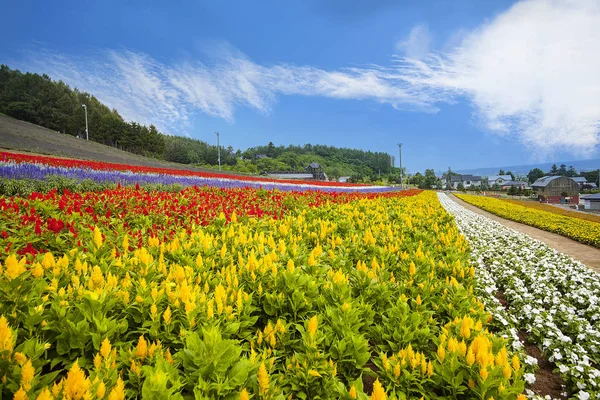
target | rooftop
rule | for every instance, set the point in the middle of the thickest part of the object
(496, 177)
(545, 180)
(595, 196)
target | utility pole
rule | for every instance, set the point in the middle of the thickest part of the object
(400, 151)
(86, 124)
(218, 151)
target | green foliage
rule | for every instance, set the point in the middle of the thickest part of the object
(362, 166)
(535, 174)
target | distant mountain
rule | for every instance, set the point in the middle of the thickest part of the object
(581, 165)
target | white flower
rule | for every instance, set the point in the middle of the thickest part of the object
(583, 395)
(529, 378)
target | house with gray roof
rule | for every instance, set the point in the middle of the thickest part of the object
(591, 201)
(498, 179)
(466, 180)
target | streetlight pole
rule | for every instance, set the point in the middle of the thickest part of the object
(400, 151)
(86, 124)
(218, 151)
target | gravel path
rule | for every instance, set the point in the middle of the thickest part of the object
(588, 255)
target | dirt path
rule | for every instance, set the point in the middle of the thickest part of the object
(588, 255)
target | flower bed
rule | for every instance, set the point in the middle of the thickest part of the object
(583, 231)
(39, 176)
(551, 296)
(320, 296)
(554, 209)
(17, 158)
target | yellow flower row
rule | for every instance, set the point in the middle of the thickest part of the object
(582, 230)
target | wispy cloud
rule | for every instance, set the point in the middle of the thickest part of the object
(531, 72)
(418, 43)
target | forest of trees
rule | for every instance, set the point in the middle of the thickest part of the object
(40, 100)
(360, 165)
(53, 104)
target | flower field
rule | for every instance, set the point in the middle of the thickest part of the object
(583, 231)
(22, 174)
(243, 293)
(551, 297)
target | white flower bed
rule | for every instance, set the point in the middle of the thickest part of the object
(552, 297)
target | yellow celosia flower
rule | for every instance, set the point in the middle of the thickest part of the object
(98, 361)
(521, 397)
(105, 348)
(21, 395)
(244, 395)
(44, 395)
(97, 237)
(167, 315)
(20, 358)
(441, 352)
(118, 392)
(77, 385)
(352, 392)
(48, 260)
(397, 370)
(263, 379)
(6, 335)
(378, 392)
(516, 364)
(470, 358)
(314, 373)
(101, 390)
(27, 375)
(484, 374)
(141, 349)
(313, 325)
(465, 327)
(37, 270)
(13, 267)
(506, 371)
(412, 270)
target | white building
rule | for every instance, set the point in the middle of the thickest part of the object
(466, 180)
(498, 179)
(591, 202)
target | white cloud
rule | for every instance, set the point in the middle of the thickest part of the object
(531, 73)
(418, 43)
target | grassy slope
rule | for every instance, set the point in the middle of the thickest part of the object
(24, 136)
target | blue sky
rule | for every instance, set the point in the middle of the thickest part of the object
(464, 84)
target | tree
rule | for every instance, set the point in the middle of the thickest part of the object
(417, 179)
(270, 150)
(501, 172)
(512, 190)
(534, 175)
(512, 176)
(571, 171)
(553, 170)
(562, 170)
(430, 180)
